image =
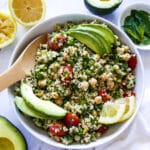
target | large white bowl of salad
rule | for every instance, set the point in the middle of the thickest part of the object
(86, 86)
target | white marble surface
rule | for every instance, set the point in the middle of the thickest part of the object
(57, 7)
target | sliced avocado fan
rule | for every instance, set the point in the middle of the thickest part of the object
(97, 37)
(88, 39)
(45, 107)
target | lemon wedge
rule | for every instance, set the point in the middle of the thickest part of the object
(112, 112)
(130, 108)
(27, 12)
(8, 29)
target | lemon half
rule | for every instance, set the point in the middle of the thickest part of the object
(27, 12)
(8, 29)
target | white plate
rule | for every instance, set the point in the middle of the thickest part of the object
(127, 11)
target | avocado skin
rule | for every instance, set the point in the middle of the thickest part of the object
(100, 11)
(23, 107)
(9, 126)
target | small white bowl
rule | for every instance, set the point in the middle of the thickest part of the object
(127, 11)
(46, 27)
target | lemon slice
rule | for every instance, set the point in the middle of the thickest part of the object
(8, 29)
(130, 108)
(112, 112)
(27, 12)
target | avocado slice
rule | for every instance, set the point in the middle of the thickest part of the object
(104, 30)
(45, 107)
(23, 107)
(10, 137)
(101, 36)
(88, 39)
(102, 7)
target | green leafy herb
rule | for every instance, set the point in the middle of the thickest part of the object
(137, 26)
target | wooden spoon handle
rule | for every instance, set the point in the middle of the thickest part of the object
(10, 76)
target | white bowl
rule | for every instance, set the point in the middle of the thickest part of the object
(47, 26)
(127, 11)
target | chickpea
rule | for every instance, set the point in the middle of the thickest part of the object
(42, 83)
(125, 57)
(85, 54)
(40, 93)
(65, 57)
(94, 113)
(98, 99)
(54, 95)
(93, 82)
(59, 101)
(96, 57)
(84, 85)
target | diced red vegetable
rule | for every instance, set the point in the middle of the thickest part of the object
(132, 62)
(105, 96)
(57, 129)
(102, 129)
(56, 43)
(72, 120)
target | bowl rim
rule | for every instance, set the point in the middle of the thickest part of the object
(122, 15)
(78, 146)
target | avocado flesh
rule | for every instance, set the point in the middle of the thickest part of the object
(23, 107)
(102, 7)
(107, 33)
(88, 39)
(104, 4)
(45, 107)
(102, 37)
(10, 136)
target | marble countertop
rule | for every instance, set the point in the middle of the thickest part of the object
(54, 8)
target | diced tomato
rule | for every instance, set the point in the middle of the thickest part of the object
(71, 120)
(127, 95)
(62, 39)
(68, 70)
(57, 43)
(57, 129)
(67, 74)
(105, 96)
(132, 62)
(102, 129)
(54, 46)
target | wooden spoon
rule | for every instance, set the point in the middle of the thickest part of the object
(22, 65)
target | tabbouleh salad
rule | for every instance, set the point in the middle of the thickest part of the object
(71, 75)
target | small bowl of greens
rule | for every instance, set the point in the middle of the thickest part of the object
(135, 21)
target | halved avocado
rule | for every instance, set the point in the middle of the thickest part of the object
(102, 7)
(23, 107)
(88, 39)
(10, 137)
(45, 107)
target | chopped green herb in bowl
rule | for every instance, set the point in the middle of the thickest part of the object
(137, 26)
(134, 20)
